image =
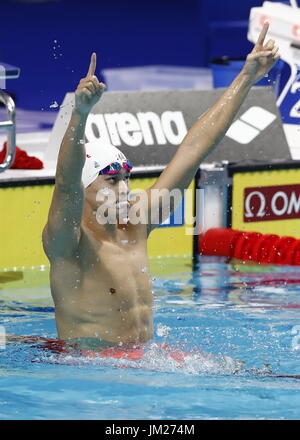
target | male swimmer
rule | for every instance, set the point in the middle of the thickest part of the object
(99, 274)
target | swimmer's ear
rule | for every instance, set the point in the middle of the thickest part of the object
(92, 66)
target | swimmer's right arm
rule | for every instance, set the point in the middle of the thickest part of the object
(71, 156)
(62, 232)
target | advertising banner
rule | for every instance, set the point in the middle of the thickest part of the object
(149, 126)
(267, 201)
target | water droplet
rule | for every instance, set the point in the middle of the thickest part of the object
(105, 191)
(54, 105)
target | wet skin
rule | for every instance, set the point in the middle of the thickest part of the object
(99, 273)
(103, 290)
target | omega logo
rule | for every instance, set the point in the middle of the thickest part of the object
(261, 212)
(272, 203)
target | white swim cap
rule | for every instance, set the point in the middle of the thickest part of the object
(98, 156)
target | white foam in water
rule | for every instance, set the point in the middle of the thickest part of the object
(181, 301)
(158, 358)
(163, 330)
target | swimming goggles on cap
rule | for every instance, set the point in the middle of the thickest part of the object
(116, 167)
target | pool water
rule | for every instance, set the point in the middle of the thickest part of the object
(237, 325)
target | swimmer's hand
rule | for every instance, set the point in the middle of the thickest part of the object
(89, 90)
(262, 58)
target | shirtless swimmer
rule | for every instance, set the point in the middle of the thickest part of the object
(98, 280)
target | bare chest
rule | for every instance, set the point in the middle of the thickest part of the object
(104, 274)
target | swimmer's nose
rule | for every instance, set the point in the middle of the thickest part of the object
(123, 188)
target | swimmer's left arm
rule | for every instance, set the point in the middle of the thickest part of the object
(208, 131)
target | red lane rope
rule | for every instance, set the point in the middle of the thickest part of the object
(251, 246)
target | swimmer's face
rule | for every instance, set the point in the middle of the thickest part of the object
(111, 189)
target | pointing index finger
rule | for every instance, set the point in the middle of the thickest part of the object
(92, 66)
(262, 35)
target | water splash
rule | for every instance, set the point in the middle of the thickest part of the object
(154, 357)
(163, 330)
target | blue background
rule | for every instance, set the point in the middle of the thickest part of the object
(123, 33)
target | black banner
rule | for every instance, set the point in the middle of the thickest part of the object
(149, 126)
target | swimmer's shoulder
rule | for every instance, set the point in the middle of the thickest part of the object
(61, 234)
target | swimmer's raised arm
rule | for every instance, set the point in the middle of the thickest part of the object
(71, 156)
(62, 232)
(208, 131)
